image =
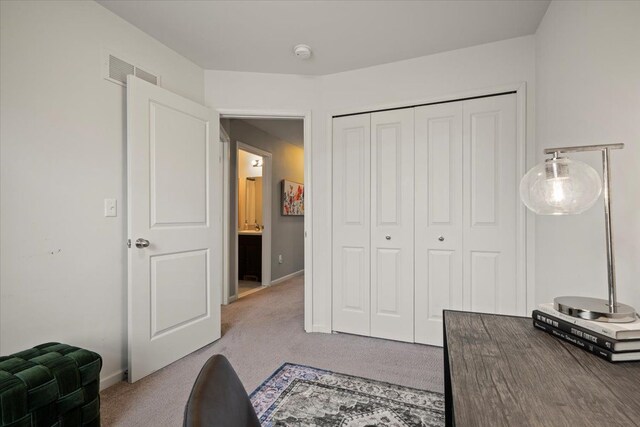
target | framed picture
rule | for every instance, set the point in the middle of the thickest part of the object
(292, 198)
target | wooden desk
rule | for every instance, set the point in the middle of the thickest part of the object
(501, 371)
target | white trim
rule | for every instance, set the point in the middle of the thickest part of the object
(305, 115)
(328, 328)
(252, 291)
(224, 137)
(287, 277)
(239, 113)
(225, 142)
(322, 329)
(226, 190)
(529, 217)
(308, 225)
(112, 379)
(525, 251)
(267, 198)
(525, 288)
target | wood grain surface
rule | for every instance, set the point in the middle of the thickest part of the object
(504, 372)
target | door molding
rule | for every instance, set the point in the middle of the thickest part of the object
(267, 200)
(525, 221)
(305, 115)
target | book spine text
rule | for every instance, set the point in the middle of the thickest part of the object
(578, 342)
(573, 329)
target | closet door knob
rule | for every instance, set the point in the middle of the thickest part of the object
(387, 237)
(441, 238)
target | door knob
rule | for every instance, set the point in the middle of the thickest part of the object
(142, 243)
(441, 238)
(387, 237)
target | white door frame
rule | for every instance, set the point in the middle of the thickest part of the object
(526, 158)
(267, 198)
(305, 115)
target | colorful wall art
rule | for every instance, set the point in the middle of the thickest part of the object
(292, 198)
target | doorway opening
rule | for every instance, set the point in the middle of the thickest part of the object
(253, 244)
(264, 199)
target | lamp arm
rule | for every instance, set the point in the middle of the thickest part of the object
(579, 148)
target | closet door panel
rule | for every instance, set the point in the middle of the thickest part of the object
(392, 182)
(351, 224)
(490, 204)
(388, 279)
(438, 217)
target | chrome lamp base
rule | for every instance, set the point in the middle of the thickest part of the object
(594, 309)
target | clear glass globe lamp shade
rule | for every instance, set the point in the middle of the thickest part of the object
(560, 186)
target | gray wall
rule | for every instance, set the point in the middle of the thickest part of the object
(287, 237)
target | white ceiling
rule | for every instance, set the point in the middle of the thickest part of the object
(289, 130)
(259, 35)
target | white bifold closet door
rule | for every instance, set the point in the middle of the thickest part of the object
(490, 182)
(392, 181)
(466, 206)
(424, 217)
(438, 211)
(351, 250)
(373, 224)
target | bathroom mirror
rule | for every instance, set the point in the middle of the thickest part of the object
(253, 201)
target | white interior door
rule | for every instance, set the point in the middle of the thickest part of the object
(392, 231)
(438, 217)
(174, 203)
(490, 205)
(351, 224)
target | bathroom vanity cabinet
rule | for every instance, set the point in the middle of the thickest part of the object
(250, 256)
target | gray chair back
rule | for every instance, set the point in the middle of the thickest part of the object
(218, 398)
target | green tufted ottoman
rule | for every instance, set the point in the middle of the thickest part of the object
(52, 385)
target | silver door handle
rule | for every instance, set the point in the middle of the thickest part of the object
(387, 237)
(142, 243)
(441, 238)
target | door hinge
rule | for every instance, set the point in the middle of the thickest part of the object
(129, 243)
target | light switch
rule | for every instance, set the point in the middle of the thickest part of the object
(110, 207)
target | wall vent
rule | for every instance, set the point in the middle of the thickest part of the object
(116, 70)
(146, 76)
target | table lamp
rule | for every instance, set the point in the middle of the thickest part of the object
(561, 186)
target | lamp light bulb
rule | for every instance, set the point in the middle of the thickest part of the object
(557, 191)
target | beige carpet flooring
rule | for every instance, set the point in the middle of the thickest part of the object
(260, 333)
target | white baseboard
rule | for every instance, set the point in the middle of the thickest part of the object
(252, 291)
(111, 379)
(321, 328)
(287, 277)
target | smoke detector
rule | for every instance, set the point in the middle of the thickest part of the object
(302, 51)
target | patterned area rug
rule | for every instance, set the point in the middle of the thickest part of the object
(297, 395)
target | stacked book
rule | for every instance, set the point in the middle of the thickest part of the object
(615, 342)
